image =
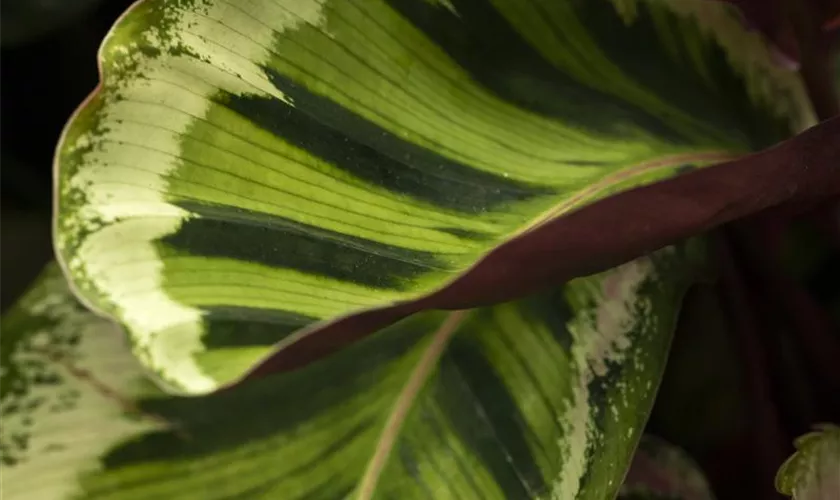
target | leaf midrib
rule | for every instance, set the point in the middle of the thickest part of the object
(591, 191)
(405, 400)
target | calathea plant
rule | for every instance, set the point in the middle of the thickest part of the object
(395, 249)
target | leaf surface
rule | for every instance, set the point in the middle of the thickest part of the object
(540, 398)
(813, 471)
(252, 169)
(59, 418)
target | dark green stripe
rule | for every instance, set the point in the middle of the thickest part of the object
(410, 463)
(600, 389)
(552, 310)
(211, 416)
(336, 445)
(259, 490)
(167, 445)
(727, 108)
(338, 379)
(229, 326)
(516, 469)
(465, 234)
(534, 381)
(374, 154)
(212, 424)
(437, 429)
(434, 446)
(482, 41)
(274, 241)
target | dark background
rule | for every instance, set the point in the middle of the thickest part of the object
(47, 67)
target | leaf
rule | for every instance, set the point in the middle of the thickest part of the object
(662, 471)
(540, 398)
(610, 232)
(813, 471)
(58, 418)
(251, 170)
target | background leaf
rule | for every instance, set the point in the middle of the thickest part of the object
(663, 471)
(539, 398)
(249, 170)
(58, 416)
(813, 472)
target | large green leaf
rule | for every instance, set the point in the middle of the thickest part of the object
(541, 398)
(250, 169)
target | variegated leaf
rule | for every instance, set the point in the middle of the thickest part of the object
(542, 398)
(251, 169)
(58, 417)
(813, 472)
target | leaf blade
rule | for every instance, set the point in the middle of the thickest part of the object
(541, 398)
(301, 164)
